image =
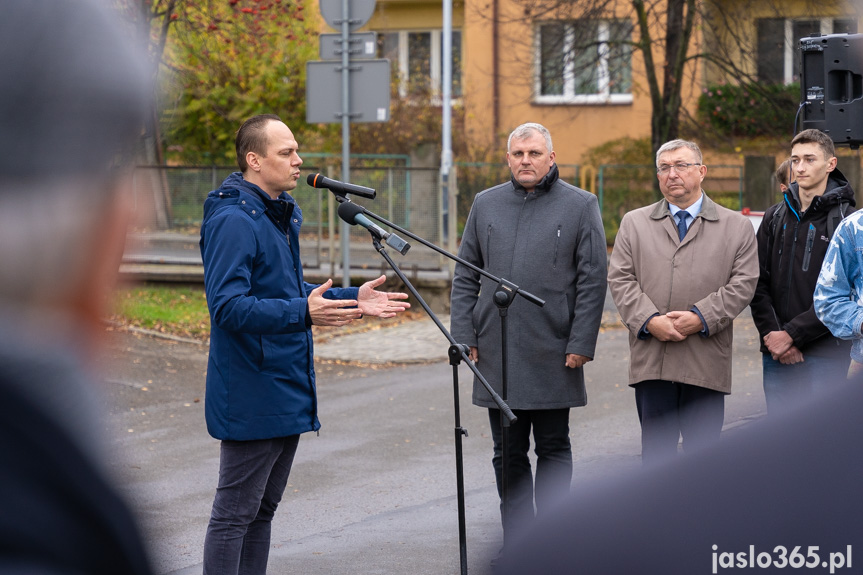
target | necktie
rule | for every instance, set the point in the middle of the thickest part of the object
(681, 224)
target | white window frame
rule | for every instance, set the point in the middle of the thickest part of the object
(435, 67)
(569, 96)
(791, 43)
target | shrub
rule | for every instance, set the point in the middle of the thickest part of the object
(627, 179)
(749, 110)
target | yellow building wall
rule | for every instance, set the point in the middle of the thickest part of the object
(733, 29)
(412, 15)
(498, 69)
(574, 128)
(480, 92)
(493, 110)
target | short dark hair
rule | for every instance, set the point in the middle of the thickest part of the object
(813, 136)
(252, 137)
(782, 173)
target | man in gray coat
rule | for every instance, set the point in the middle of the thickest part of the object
(546, 237)
(681, 270)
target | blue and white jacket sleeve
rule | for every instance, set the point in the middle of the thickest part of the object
(837, 293)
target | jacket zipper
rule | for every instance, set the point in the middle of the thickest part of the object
(488, 246)
(810, 239)
(791, 264)
(556, 247)
(782, 239)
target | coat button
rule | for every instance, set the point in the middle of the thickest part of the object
(295, 221)
(254, 212)
(243, 202)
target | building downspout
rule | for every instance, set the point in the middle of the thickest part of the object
(495, 89)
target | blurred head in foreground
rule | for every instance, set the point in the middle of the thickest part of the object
(74, 95)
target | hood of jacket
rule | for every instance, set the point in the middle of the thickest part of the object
(544, 185)
(838, 190)
(278, 210)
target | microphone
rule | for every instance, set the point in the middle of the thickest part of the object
(340, 188)
(353, 214)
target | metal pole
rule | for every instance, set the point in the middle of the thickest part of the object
(346, 136)
(446, 126)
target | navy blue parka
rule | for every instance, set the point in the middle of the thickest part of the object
(260, 375)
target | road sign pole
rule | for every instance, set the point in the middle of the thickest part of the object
(446, 122)
(346, 136)
(319, 105)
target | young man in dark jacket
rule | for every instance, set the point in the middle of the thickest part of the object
(800, 354)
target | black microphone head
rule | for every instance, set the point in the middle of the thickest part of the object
(348, 211)
(340, 188)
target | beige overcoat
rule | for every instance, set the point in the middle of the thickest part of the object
(714, 268)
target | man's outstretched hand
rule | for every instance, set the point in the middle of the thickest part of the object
(378, 303)
(333, 312)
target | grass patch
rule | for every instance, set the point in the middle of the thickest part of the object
(180, 311)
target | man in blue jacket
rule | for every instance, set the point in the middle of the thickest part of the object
(261, 376)
(838, 298)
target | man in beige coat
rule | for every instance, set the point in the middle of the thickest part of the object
(678, 285)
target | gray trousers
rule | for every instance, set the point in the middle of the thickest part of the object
(252, 479)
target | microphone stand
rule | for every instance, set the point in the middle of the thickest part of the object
(508, 286)
(504, 295)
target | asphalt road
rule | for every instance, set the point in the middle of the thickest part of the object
(375, 492)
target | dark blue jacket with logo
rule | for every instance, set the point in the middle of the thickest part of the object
(790, 253)
(261, 375)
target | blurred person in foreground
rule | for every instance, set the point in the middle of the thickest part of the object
(777, 496)
(261, 375)
(74, 96)
(800, 357)
(681, 270)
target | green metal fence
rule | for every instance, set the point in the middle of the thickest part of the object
(622, 188)
(172, 197)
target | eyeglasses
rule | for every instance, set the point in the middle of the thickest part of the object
(680, 167)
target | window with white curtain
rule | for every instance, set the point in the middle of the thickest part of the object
(417, 56)
(584, 62)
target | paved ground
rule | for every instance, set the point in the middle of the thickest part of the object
(375, 492)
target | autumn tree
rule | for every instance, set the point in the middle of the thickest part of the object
(227, 60)
(150, 22)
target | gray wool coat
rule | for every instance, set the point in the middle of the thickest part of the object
(551, 243)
